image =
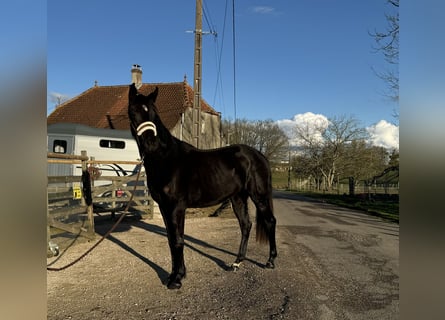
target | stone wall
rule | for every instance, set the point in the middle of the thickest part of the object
(210, 130)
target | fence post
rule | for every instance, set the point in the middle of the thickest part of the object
(48, 228)
(92, 178)
(87, 194)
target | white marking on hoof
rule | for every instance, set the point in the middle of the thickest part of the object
(236, 265)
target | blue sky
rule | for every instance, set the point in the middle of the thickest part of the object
(292, 57)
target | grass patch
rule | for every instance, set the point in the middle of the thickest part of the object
(384, 206)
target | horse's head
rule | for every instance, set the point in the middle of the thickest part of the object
(145, 123)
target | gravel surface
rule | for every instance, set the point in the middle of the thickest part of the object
(124, 277)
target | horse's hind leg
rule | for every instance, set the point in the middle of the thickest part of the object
(239, 204)
(271, 223)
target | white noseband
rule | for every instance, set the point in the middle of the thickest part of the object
(144, 126)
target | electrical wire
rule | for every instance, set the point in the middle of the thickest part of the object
(208, 18)
(234, 61)
(219, 53)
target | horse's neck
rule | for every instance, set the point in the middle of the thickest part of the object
(165, 155)
(183, 146)
(174, 146)
(170, 152)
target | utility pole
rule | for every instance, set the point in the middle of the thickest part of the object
(197, 74)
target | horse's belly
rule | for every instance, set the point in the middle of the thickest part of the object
(213, 193)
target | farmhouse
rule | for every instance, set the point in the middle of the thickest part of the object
(105, 107)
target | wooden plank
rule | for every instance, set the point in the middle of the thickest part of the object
(60, 196)
(66, 156)
(118, 199)
(145, 209)
(64, 179)
(64, 161)
(120, 178)
(98, 192)
(67, 211)
(76, 228)
(113, 162)
(117, 185)
(58, 189)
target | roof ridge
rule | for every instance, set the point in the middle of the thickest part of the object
(187, 101)
(126, 85)
(92, 106)
(71, 99)
(205, 106)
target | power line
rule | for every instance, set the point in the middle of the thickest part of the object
(234, 60)
(219, 53)
(208, 18)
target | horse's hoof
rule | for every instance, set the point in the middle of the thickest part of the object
(174, 285)
(235, 266)
(270, 265)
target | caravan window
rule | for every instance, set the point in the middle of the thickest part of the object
(59, 146)
(115, 144)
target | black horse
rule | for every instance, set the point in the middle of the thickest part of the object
(180, 176)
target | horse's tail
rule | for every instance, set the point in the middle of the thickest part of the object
(261, 229)
(264, 221)
(260, 191)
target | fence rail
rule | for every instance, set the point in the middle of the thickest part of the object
(73, 200)
(341, 188)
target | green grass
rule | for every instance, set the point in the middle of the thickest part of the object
(382, 206)
(279, 180)
(379, 206)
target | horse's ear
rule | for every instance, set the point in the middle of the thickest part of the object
(153, 95)
(132, 93)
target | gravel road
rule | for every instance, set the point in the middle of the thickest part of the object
(333, 263)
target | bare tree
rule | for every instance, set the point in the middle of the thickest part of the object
(361, 162)
(58, 98)
(272, 141)
(325, 145)
(387, 42)
(264, 135)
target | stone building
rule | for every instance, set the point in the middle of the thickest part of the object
(106, 107)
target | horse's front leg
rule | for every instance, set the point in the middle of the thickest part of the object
(174, 223)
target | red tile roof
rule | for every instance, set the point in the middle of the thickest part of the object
(106, 106)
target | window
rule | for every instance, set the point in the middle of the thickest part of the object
(59, 146)
(115, 144)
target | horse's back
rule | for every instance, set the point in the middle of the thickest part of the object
(248, 157)
(258, 174)
(215, 175)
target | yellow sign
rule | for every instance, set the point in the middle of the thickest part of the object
(77, 193)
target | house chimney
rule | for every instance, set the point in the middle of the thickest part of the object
(136, 75)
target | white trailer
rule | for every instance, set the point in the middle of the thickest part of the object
(111, 191)
(100, 144)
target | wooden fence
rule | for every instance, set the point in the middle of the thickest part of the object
(342, 188)
(73, 200)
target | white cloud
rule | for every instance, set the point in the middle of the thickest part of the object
(263, 10)
(384, 134)
(308, 119)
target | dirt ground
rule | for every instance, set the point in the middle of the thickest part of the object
(124, 277)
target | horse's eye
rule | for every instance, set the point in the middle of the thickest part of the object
(145, 107)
